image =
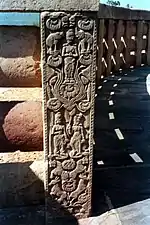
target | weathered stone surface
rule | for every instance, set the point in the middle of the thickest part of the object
(23, 127)
(21, 157)
(108, 218)
(5, 145)
(20, 57)
(34, 215)
(21, 180)
(21, 94)
(69, 70)
(137, 213)
(37, 5)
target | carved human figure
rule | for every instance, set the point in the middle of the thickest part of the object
(54, 59)
(86, 41)
(69, 52)
(55, 183)
(78, 136)
(59, 135)
(85, 47)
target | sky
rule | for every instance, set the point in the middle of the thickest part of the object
(136, 4)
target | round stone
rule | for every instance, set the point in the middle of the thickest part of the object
(23, 126)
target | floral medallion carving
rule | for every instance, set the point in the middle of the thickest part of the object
(68, 65)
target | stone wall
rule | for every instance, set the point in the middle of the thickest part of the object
(20, 57)
(21, 129)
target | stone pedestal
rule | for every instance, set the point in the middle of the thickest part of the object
(69, 70)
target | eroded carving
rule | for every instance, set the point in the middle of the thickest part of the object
(69, 76)
(77, 138)
(59, 136)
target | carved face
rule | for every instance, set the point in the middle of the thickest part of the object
(52, 163)
(68, 182)
(72, 21)
(70, 36)
(69, 185)
(77, 119)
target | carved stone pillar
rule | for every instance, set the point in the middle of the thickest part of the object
(69, 70)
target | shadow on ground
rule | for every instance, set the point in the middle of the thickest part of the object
(120, 180)
(23, 199)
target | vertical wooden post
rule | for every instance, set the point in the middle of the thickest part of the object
(148, 47)
(128, 43)
(118, 43)
(139, 39)
(100, 48)
(110, 45)
(69, 44)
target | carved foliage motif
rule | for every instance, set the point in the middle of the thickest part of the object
(70, 74)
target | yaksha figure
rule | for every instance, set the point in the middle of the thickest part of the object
(59, 135)
(77, 138)
(69, 52)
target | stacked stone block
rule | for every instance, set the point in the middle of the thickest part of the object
(21, 138)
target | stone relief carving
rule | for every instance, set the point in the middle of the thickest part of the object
(69, 52)
(59, 136)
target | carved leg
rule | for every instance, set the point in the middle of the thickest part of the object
(56, 146)
(79, 147)
(72, 170)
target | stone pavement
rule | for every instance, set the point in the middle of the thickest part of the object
(35, 216)
(108, 218)
(134, 214)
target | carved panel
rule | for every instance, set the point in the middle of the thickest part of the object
(68, 65)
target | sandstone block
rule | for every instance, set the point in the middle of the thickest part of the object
(8, 94)
(49, 5)
(20, 57)
(22, 126)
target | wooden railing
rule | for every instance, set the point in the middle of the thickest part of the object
(123, 39)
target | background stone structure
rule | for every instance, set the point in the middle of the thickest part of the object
(36, 5)
(21, 126)
(20, 57)
(21, 154)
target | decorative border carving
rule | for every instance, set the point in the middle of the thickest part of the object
(69, 70)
